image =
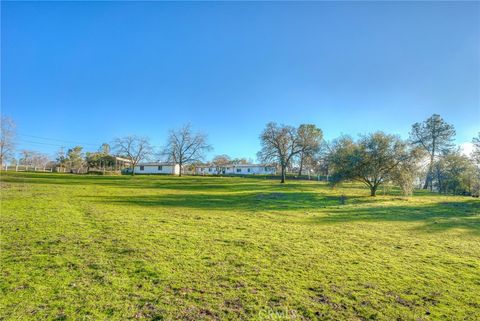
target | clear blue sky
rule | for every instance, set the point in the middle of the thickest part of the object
(91, 71)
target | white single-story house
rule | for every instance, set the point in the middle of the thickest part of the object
(157, 168)
(236, 169)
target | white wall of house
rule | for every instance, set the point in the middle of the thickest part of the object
(157, 169)
(247, 169)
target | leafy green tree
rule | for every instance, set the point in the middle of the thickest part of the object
(101, 159)
(371, 160)
(455, 174)
(61, 158)
(104, 149)
(435, 136)
(476, 149)
(75, 158)
(476, 160)
(408, 170)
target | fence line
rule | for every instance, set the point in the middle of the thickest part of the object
(26, 168)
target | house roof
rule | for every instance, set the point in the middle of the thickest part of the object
(156, 164)
(252, 165)
(236, 165)
(122, 159)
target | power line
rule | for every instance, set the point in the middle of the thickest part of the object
(58, 140)
(40, 143)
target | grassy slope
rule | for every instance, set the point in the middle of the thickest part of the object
(150, 247)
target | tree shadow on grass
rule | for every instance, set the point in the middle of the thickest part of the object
(163, 182)
(270, 201)
(436, 217)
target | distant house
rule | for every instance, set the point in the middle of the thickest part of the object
(118, 163)
(236, 169)
(157, 168)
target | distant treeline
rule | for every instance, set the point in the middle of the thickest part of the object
(428, 159)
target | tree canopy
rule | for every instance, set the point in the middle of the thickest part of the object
(280, 143)
(371, 160)
(435, 136)
(135, 148)
(185, 146)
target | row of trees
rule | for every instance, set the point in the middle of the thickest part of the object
(283, 145)
(372, 159)
(377, 158)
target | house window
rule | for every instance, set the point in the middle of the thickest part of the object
(239, 170)
(142, 168)
(266, 169)
(209, 169)
(160, 167)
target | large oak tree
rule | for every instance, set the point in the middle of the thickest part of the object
(371, 160)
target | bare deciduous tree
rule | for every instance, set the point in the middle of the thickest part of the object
(7, 136)
(241, 161)
(134, 148)
(280, 143)
(186, 147)
(220, 162)
(33, 158)
(434, 135)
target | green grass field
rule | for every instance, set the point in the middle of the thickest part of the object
(203, 248)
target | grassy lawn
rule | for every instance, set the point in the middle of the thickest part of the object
(202, 248)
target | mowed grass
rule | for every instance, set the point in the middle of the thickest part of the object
(204, 248)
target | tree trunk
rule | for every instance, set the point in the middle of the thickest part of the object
(427, 179)
(283, 174)
(429, 175)
(373, 190)
(133, 170)
(301, 166)
(179, 169)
